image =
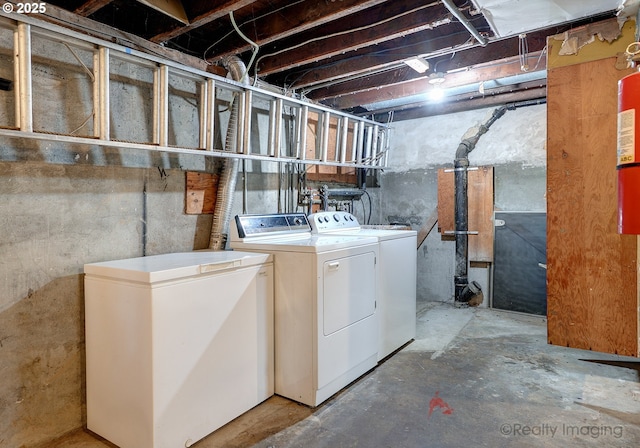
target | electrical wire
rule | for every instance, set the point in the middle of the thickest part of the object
(542, 53)
(364, 211)
(523, 52)
(341, 33)
(368, 219)
(204, 55)
(93, 79)
(362, 75)
(255, 46)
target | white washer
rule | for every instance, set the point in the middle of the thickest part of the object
(177, 345)
(396, 275)
(326, 327)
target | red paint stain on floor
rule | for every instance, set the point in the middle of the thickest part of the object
(438, 403)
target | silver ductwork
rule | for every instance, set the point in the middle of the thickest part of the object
(229, 170)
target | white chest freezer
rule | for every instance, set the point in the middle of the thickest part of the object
(177, 345)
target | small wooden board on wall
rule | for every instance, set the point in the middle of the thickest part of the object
(201, 190)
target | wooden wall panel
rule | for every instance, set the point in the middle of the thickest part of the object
(446, 202)
(201, 190)
(480, 195)
(592, 296)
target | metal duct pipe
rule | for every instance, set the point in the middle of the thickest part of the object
(526, 103)
(461, 213)
(461, 216)
(229, 174)
(465, 22)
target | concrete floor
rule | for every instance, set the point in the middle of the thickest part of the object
(472, 377)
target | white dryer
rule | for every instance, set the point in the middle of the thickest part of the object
(326, 328)
(396, 275)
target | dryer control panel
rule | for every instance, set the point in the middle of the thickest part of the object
(333, 220)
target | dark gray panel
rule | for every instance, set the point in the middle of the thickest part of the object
(519, 283)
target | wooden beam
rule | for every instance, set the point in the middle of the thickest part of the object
(293, 20)
(370, 95)
(354, 33)
(99, 30)
(201, 18)
(462, 58)
(91, 6)
(475, 95)
(443, 40)
(460, 106)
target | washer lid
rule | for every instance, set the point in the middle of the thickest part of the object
(381, 234)
(156, 268)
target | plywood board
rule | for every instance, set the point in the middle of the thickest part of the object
(446, 202)
(592, 296)
(201, 190)
(480, 194)
(480, 197)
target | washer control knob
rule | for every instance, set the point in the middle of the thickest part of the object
(336, 217)
(297, 221)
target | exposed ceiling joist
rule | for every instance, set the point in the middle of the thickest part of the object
(394, 22)
(64, 18)
(387, 55)
(291, 20)
(348, 54)
(199, 17)
(495, 70)
(499, 51)
(88, 8)
(465, 103)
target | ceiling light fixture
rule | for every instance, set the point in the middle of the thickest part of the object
(418, 64)
(436, 93)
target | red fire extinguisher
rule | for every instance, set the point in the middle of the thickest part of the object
(629, 154)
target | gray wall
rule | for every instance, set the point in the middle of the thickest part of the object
(514, 145)
(66, 205)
